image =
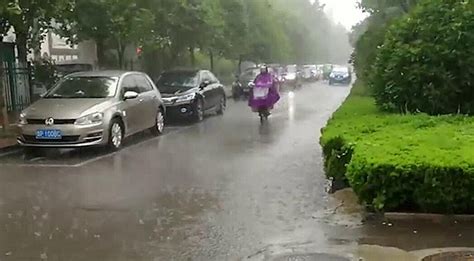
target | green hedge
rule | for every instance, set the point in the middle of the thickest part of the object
(402, 162)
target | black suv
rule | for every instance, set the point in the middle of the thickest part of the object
(191, 94)
(241, 86)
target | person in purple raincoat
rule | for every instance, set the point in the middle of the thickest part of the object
(265, 91)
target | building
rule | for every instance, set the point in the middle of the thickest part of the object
(60, 51)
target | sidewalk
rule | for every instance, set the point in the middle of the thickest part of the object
(7, 138)
(6, 142)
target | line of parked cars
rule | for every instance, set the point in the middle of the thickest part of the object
(102, 108)
(290, 75)
(293, 75)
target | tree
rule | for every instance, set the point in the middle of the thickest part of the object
(236, 29)
(118, 22)
(7, 8)
(30, 19)
(368, 36)
(381, 6)
(425, 61)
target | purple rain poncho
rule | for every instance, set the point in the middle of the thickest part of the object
(265, 93)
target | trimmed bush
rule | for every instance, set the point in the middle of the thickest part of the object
(425, 63)
(402, 162)
(337, 154)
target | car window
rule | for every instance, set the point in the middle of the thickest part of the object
(129, 83)
(176, 81)
(143, 83)
(252, 73)
(84, 87)
(341, 70)
(212, 77)
(205, 77)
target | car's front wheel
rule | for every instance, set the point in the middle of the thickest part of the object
(222, 105)
(159, 126)
(198, 111)
(236, 93)
(116, 135)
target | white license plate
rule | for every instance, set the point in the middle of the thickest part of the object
(260, 93)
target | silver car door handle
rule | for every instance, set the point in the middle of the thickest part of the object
(141, 100)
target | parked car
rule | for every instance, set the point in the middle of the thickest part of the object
(280, 75)
(292, 75)
(341, 75)
(241, 87)
(191, 94)
(311, 73)
(93, 109)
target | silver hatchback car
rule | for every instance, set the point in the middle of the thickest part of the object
(93, 109)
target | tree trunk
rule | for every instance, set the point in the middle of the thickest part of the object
(240, 65)
(100, 52)
(192, 56)
(211, 60)
(22, 47)
(120, 53)
(36, 40)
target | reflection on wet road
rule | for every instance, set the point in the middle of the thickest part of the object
(225, 189)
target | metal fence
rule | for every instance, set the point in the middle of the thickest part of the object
(15, 84)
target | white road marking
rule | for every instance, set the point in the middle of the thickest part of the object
(10, 152)
(170, 130)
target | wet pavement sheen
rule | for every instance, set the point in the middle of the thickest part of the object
(224, 189)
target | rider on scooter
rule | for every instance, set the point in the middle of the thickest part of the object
(264, 94)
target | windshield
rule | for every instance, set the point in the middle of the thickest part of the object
(177, 80)
(341, 70)
(291, 69)
(69, 68)
(84, 87)
(252, 73)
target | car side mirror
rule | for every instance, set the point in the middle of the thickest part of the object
(130, 95)
(251, 84)
(204, 84)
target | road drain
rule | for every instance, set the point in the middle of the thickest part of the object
(451, 256)
(311, 257)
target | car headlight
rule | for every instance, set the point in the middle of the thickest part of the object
(22, 119)
(91, 119)
(346, 75)
(186, 98)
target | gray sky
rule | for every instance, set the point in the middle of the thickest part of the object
(344, 11)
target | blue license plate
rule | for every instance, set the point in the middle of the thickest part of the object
(48, 134)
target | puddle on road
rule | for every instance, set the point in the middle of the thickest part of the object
(161, 226)
(343, 209)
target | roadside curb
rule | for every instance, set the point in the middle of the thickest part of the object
(426, 216)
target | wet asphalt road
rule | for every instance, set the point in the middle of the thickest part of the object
(224, 189)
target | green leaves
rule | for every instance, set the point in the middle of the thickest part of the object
(405, 162)
(427, 60)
